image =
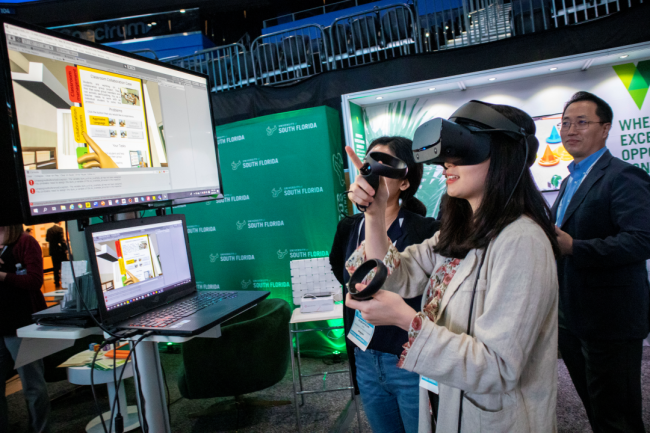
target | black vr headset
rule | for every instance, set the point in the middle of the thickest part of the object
(465, 138)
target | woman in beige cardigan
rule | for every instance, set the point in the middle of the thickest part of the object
(491, 268)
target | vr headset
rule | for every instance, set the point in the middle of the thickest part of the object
(465, 138)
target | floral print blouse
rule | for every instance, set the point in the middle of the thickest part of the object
(438, 283)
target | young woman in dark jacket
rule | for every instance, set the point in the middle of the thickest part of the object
(21, 278)
(389, 396)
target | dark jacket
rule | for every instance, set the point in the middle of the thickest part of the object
(20, 295)
(604, 290)
(58, 248)
(414, 229)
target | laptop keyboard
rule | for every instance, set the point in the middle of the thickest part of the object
(169, 315)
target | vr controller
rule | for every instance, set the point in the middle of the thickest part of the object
(373, 287)
(377, 164)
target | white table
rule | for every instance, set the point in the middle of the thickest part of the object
(296, 318)
(41, 341)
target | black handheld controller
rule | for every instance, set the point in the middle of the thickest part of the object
(377, 164)
(373, 287)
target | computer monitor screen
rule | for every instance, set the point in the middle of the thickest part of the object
(139, 260)
(100, 130)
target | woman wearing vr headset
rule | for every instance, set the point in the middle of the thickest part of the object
(391, 404)
(485, 338)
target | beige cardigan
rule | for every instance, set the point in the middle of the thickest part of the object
(508, 366)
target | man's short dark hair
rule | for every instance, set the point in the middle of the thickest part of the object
(603, 110)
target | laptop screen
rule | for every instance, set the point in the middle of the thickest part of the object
(140, 260)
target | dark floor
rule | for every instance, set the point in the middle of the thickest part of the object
(73, 406)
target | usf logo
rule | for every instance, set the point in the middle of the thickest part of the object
(213, 257)
(282, 254)
(235, 165)
(240, 225)
(245, 284)
(636, 79)
(270, 131)
(276, 192)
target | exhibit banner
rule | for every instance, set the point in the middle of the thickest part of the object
(283, 183)
(624, 86)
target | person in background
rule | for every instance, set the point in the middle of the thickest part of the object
(58, 250)
(21, 278)
(486, 330)
(389, 394)
(602, 217)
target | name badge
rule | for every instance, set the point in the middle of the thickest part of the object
(429, 384)
(361, 331)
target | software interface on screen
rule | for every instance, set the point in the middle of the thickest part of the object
(99, 129)
(138, 262)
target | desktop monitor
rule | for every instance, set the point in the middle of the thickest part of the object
(139, 263)
(90, 130)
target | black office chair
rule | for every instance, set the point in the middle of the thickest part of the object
(365, 32)
(297, 50)
(267, 57)
(337, 38)
(395, 25)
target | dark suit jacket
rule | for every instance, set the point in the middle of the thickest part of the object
(415, 230)
(604, 290)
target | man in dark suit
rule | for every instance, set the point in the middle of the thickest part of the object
(58, 251)
(602, 216)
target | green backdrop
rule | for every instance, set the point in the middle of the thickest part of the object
(283, 179)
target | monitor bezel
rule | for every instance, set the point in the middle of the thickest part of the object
(12, 139)
(109, 318)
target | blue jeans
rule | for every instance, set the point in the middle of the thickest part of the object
(34, 387)
(390, 395)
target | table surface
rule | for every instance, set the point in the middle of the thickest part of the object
(298, 317)
(57, 332)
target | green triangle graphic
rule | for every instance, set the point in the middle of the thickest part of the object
(638, 82)
(635, 79)
(625, 73)
(638, 96)
(644, 68)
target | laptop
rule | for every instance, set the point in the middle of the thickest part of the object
(144, 279)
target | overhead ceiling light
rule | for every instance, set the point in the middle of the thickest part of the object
(182, 11)
(625, 56)
(426, 35)
(432, 88)
(553, 69)
(492, 79)
(380, 97)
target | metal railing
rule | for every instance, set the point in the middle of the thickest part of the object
(289, 55)
(383, 33)
(370, 36)
(320, 10)
(228, 67)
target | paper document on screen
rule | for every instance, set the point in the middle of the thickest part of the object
(114, 116)
(137, 256)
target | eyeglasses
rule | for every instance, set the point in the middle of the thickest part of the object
(580, 125)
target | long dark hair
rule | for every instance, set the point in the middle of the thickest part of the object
(402, 149)
(462, 231)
